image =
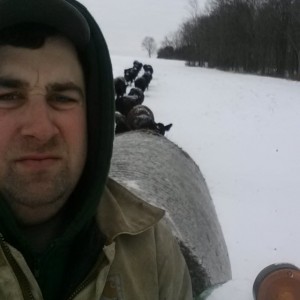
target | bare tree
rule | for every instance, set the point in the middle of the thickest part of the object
(149, 45)
(193, 9)
(173, 39)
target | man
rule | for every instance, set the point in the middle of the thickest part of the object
(67, 231)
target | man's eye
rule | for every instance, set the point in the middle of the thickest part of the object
(11, 99)
(63, 99)
(10, 96)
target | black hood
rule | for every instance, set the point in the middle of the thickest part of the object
(100, 116)
(85, 199)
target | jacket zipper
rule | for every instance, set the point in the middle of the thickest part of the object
(84, 284)
(86, 281)
(23, 281)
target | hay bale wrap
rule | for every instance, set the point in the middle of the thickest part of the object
(161, 173)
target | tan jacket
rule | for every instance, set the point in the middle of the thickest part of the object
(141, 260)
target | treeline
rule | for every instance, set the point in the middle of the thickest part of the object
(260, 36)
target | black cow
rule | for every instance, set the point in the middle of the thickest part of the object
(120, 86)
(138, 92)
(130, 74)
(148, 68)
(126, 103)
(137, 65)
(121, 124)
(148, 78)
(141, 83)
(141, 117)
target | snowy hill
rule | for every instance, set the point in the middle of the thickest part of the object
(242, 131)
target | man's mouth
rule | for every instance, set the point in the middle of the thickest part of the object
(37, 161)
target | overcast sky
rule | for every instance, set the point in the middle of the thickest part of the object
(125, 23)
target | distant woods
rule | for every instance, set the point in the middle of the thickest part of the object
(258, 36)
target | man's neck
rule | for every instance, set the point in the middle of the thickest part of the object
(40, 236)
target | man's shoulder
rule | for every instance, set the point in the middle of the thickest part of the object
(121, 211)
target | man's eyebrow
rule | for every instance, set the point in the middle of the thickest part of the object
(66, 86)
(8, 82)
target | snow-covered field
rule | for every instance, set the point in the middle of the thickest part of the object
(242, 131)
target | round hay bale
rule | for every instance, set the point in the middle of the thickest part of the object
(161, 173)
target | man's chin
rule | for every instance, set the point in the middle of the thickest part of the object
(36, 213)
(35, 203)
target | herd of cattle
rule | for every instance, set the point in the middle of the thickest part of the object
(130, 113)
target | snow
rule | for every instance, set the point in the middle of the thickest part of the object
(232, 290)
(242, 131)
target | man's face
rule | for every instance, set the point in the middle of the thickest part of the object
(43, 134)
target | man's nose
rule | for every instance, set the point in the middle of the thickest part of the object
(38, 119)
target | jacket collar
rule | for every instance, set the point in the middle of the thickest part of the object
(122, 212)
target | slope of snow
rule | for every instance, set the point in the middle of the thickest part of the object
(242, 131)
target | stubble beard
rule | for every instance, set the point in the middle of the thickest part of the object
(38, 196)
(30, 197)
(36, 189)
